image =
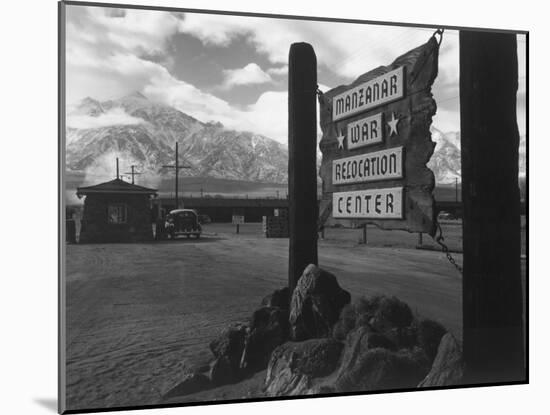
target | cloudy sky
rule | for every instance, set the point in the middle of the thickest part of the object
(233, 69)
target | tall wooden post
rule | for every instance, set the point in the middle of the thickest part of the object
(302, 166)
(492, 287)
(177, 176)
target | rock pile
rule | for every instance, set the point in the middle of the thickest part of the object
(316, 342)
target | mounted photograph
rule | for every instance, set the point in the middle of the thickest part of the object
(256, 207)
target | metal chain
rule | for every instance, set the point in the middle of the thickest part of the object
(439, 239)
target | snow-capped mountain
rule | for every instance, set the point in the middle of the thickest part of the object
(143, 133)
(445, 162)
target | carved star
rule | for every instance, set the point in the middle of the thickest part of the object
(393, 124)
(341, 137)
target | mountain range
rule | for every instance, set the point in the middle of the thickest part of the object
(143, 133)
(146, 138)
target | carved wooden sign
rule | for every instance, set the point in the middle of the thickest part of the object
(376, 143)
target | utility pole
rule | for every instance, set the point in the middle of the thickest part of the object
(133, 172)
(117, 175)
(177, 168)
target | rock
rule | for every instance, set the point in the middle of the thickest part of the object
(380, 340)
(191, 383)
(391, 313)
(320, 390)
(229, 345)
(279, 298)
(429, 334)
(448, 366)
(403, 338)
(222, 372)
(378, 369)
(316, 304)
(268, 329)
(358, 342)
(294, 365)
(345, 323)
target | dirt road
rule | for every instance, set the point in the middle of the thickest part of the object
(138, 315)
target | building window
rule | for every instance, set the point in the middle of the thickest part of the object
(116, 214)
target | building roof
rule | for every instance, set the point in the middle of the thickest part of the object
(116, 186)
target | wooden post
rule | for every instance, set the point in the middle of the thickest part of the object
(492, 287)
(237, 228)
(420, 239)
(302, 166)
(177, 176)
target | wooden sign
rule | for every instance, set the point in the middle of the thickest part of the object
(365, 131)
(369, 204)
(376, 143)
(368, 167)
(385, 88)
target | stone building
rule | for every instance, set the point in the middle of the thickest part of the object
(116, 211)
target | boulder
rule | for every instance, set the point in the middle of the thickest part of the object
(222, 372)
(268, 329)
(391, 313)
(279, 298)
(345, 323)
(316, 304)
(358, 342)
(229, 345)
(429, 334)
(403, 337)
(378, 369)
(294, 365)
(448, 365)
(191, 383)
(382, 314)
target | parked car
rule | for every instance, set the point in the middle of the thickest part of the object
(183, 222)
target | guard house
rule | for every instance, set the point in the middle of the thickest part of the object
(116, 211)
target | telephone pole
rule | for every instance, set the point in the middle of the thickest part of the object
(133, 172)
(177, 168)
(117, 174)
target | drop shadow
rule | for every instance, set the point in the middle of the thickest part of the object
(48, 403)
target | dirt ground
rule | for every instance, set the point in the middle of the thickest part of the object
(140, 315)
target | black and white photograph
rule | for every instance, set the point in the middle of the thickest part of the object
(256, 207)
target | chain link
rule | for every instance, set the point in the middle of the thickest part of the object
(439, 239)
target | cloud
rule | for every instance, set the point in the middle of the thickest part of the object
(343, 48)
(249, 75)
(267, 116)
(280, 71)
(135, 30)
(115, 116)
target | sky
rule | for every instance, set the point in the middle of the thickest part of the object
(233, 69)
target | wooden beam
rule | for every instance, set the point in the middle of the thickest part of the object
(492, 288)
(302, 163)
